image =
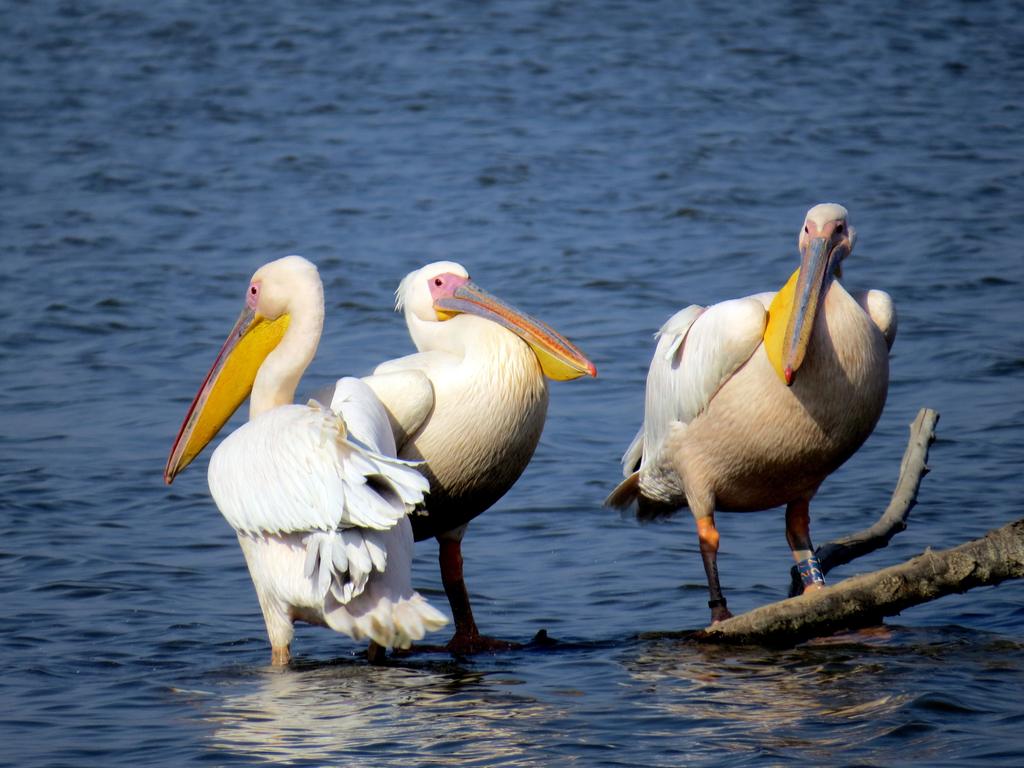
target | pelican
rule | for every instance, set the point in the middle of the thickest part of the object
(471, 405)
(752, 403)
(316, 496)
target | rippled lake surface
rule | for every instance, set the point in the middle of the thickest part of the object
(601, 165)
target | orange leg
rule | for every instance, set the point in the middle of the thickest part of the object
(708, 536)
(798, 534)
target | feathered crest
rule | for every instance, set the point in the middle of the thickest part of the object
(402, 291)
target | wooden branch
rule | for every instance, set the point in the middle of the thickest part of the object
(864, 600)
(913, 468)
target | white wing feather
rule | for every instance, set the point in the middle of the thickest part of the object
(294, 469)
(320, 505)
(659, 379)
(382, 605)
(881, 310)
(698, 350)
(407, 395)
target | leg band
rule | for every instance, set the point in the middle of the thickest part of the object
(719, 603)
(810, 571)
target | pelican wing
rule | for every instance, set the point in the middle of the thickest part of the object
(364, 575)
(360, 597)
(364, 415)
(670, 336)
(698, 351)
(316, 492)
(407, 395)
(881, 310)
(297, 468)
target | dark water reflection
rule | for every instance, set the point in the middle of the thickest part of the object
(600, 164)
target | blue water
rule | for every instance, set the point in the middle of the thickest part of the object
(599, 164)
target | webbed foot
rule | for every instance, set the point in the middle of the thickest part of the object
(469, 644)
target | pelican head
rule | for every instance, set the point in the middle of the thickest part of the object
(441, 291)
(269, 300)
(826, 239)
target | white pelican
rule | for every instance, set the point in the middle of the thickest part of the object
(316, 496)
(470, 404)
(752, 403)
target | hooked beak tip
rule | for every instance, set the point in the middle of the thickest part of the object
(789, 373)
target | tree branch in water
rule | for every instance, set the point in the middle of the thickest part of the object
(913, 468)
(866, 599)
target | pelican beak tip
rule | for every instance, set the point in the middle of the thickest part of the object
(170, 472)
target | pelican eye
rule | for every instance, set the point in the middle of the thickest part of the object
(807, 229)
(438, 282)
(839, 228)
